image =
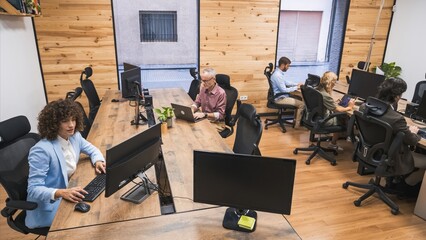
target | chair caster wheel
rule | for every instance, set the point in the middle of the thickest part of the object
(357, 203)
(395, 211)
(295, 151)
(345, 185)
(333, 163)
(308, 162)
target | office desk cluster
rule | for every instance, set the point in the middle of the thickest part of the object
(113, 218)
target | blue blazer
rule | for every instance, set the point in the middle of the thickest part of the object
(48, 171)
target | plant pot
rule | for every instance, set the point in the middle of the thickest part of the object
(169, 122)
(163, 127)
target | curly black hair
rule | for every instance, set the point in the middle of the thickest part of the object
(50, 118)
(391, 88)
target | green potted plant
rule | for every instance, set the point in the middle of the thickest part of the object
(165, 115)
(390, 69)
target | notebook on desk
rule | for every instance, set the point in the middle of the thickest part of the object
(185, 113)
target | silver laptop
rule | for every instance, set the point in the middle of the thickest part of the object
(184, 112)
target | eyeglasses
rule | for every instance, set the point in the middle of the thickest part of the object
(207, 79)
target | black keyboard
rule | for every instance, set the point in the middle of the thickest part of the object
(95, 188)
(150, 116)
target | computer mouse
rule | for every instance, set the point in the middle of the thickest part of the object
(82, 207)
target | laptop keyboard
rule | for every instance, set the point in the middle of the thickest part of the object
(95, 188)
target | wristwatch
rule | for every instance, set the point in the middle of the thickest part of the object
(205, 115)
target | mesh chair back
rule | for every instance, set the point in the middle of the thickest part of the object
(194, 89)
(314, 107)
(223, 81)
(418, 92)
(91, 93)
(312, 80)
(375, 135)
(249, 130)
(15, 144)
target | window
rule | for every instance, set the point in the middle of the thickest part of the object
(158, 26)
(299, 35)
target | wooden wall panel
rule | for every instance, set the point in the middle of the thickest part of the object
(74, 34)
(236, 37)
(359, 30)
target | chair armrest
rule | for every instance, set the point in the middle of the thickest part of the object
(19, 204)
(395, 146)
(235, 118)
(331, 116)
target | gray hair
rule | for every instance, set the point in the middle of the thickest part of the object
(209, 72)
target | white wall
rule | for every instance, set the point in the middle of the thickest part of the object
(21, 85)
(406, 44)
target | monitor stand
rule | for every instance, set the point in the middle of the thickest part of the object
(141, 191)
(139, 118)
(233, 215)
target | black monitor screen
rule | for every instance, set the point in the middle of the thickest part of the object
(130, 83)
(244, 181)
(421, 111)
(128, 66)
(364, 84)
(126, 160)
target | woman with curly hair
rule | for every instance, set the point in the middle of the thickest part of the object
(54, 159)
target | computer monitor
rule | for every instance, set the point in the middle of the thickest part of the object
(127, 160)
(364, 84)
(244, 183)
(128, 66)
(421, 110)
(131, 83)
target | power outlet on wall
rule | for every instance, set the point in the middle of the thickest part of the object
(243, 98)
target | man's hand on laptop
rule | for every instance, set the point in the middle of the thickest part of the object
(199, 115)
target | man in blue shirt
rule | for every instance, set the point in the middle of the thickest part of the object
(282, 89)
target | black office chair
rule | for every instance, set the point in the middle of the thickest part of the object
(375, 148)
(15, 143)
(223, 81)
(418, 92)
(312, 80)
(194, 88)
(86, 121)
(249, 130)
(360, 65)
(91, 93)
(285, 114)
(314, 119)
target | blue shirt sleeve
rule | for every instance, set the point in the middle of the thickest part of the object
(279, 84)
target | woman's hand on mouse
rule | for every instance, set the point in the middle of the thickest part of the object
(74, 194)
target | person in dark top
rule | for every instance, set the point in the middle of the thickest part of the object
(407, 162)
